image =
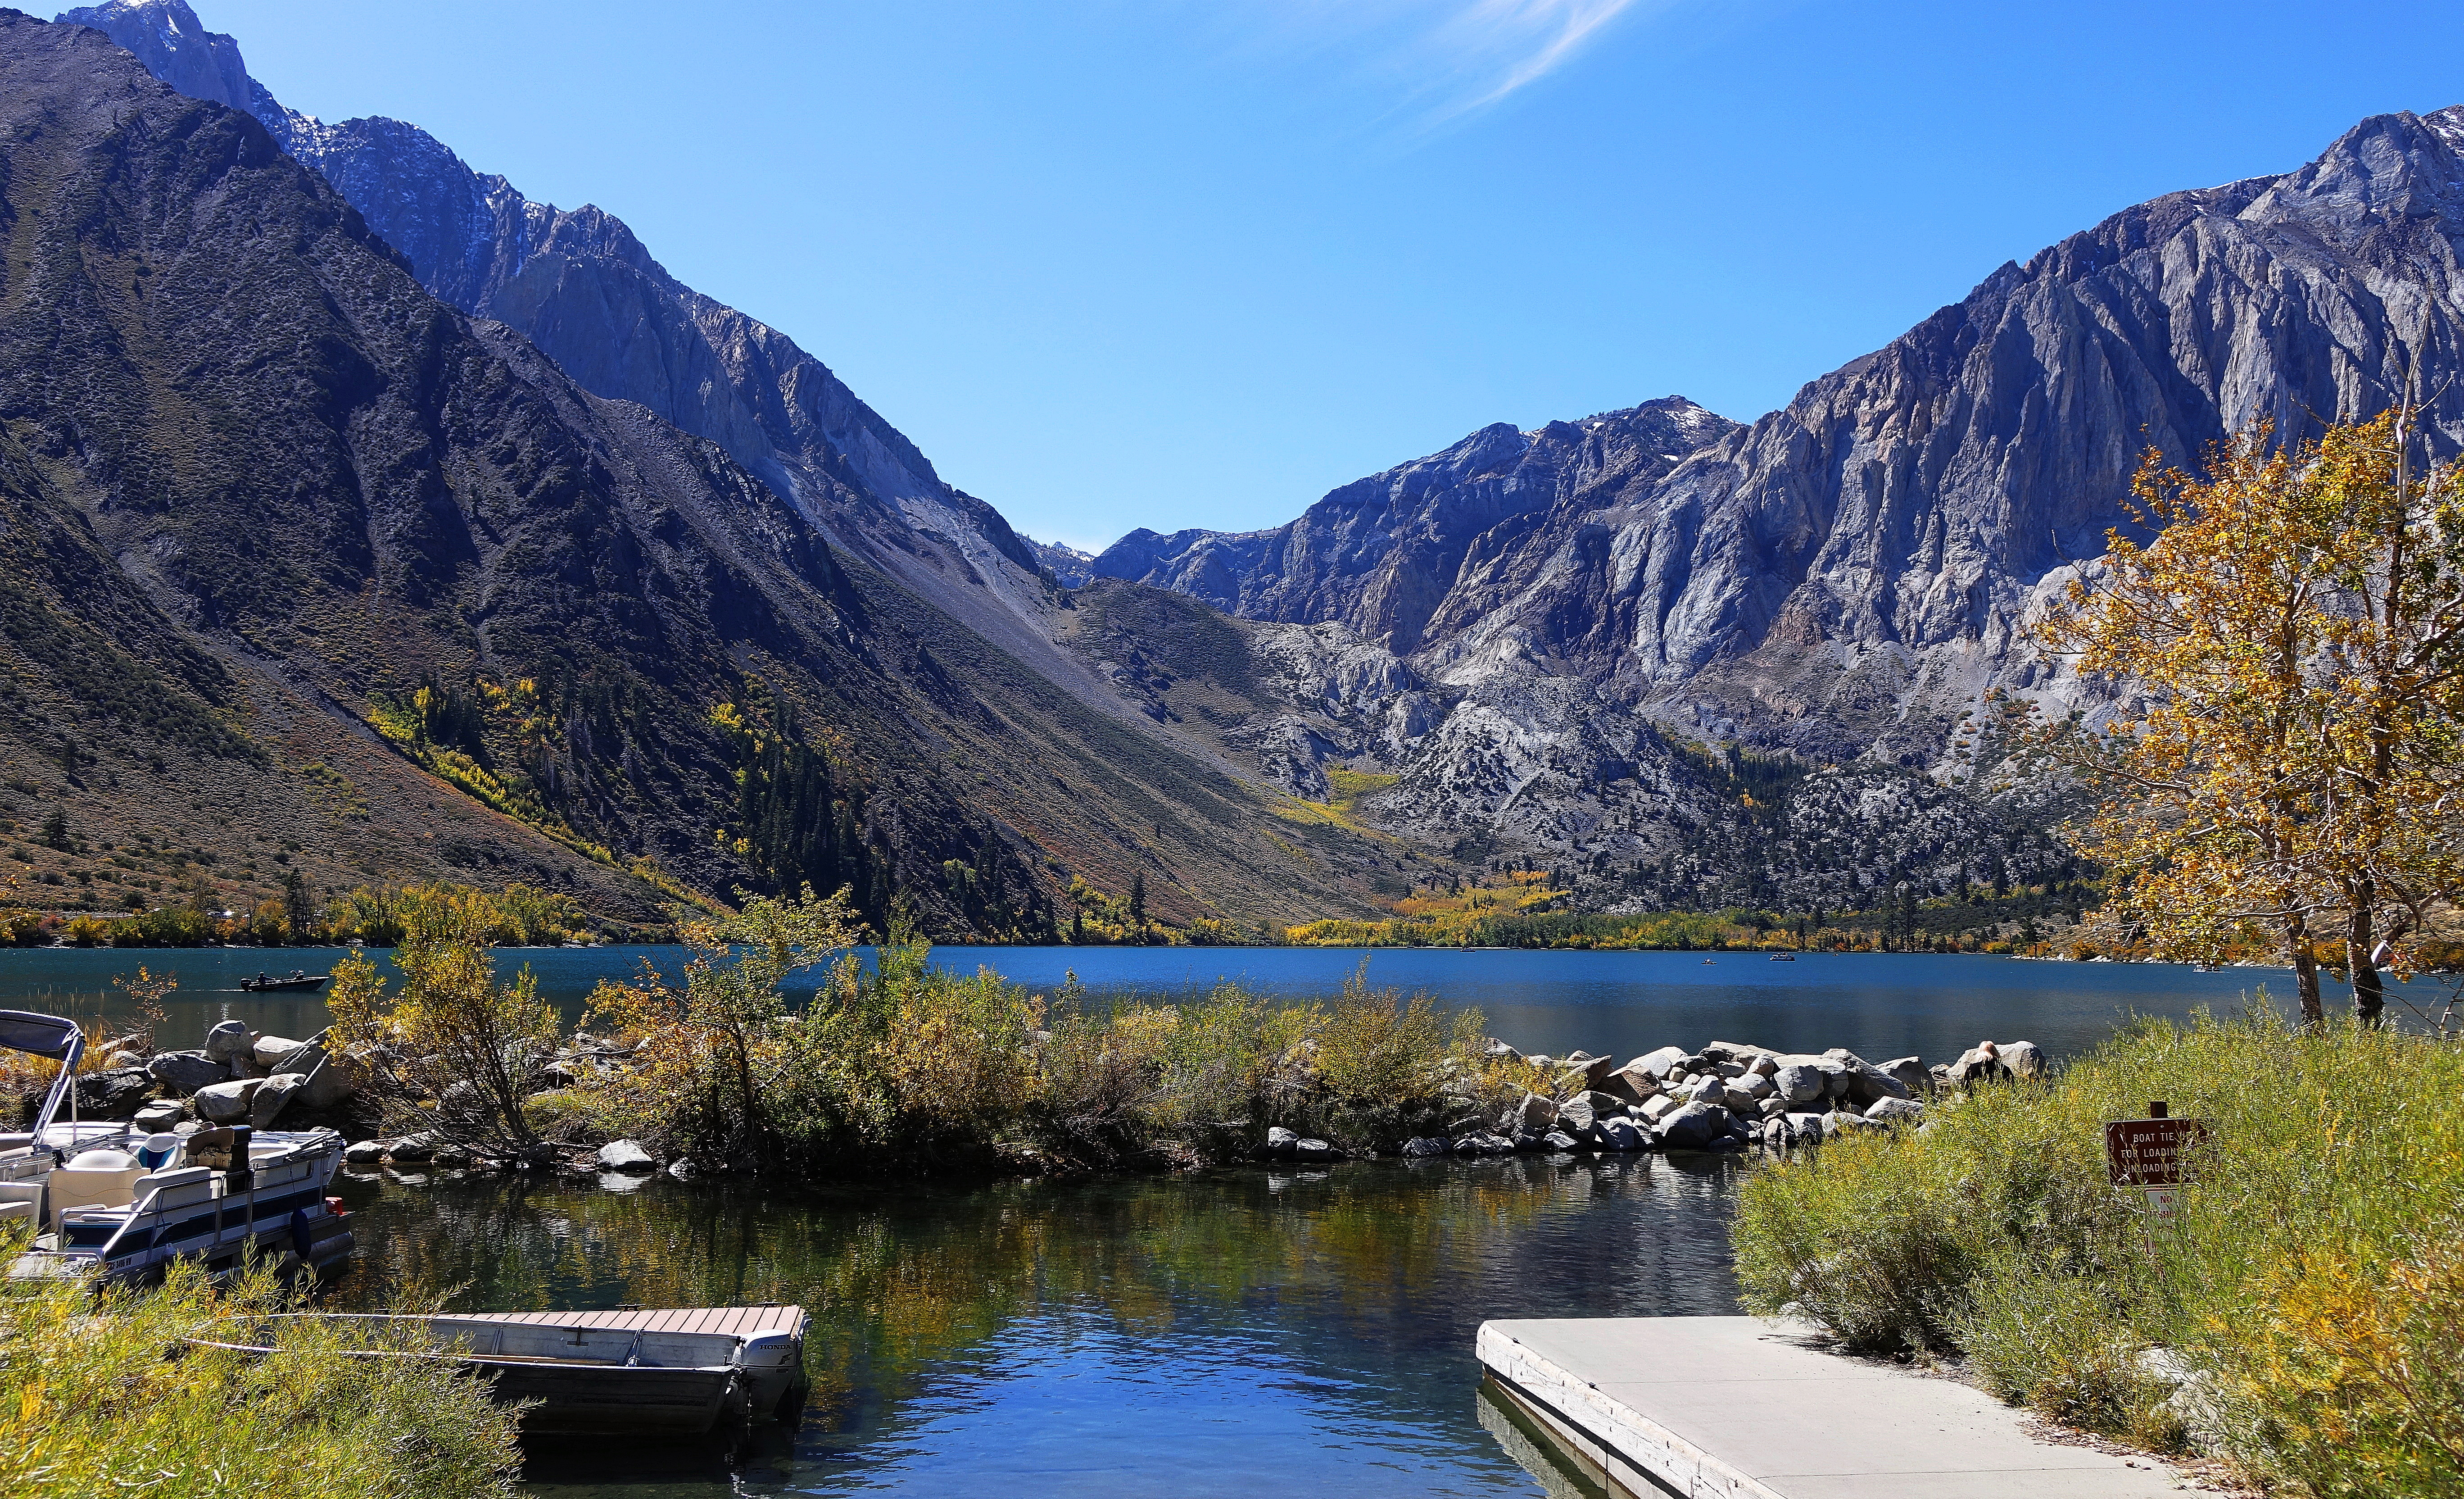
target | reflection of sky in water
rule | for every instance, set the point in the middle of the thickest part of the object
(1228, 1333)
(1877, 1005)
(1066, 1403)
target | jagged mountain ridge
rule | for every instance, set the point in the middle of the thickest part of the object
(581, 287)
(1848, 579)
(302, 486)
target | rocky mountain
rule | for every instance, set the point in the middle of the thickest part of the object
(1847, 580)
(581, 288)
(1069, 567)
(311, 571)
(1685, 661)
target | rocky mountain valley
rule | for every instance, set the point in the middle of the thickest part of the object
(369, 519)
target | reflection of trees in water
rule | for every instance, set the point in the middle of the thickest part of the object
(1397, 1260)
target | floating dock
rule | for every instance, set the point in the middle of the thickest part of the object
(1741, 1408)
(725, 1321)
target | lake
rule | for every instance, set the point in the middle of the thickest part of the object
(1878, 1006)
(1238, 1332)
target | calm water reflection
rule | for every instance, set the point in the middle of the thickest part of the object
(1241, 1331)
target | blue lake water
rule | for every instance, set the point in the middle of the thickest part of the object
(1238, 1332)
(1878, 1006)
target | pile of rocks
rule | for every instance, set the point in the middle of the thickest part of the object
(1726, 1097)
(242, 1076)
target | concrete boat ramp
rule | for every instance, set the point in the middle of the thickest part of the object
(1741, 1408)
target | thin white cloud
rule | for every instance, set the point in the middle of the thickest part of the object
(1439, 61)
(1514, 43)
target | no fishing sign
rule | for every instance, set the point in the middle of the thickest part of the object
(2148, 1154)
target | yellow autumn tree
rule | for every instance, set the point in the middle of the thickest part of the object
(2290, 648)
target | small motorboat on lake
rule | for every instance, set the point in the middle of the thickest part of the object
(1783, 957)
(299, 981)
(633, 1372)
(105, 1201)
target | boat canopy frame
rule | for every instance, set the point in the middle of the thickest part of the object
(54, 1039)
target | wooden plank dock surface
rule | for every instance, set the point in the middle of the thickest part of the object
(732, 1321)
(1740, 1408)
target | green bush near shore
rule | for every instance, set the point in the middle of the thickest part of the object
(99, 1395)
(2301, 1316)
(911, 1067)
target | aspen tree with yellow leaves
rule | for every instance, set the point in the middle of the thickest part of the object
(2289, 753)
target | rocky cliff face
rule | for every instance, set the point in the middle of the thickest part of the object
(1847, 579)
(1383, 555)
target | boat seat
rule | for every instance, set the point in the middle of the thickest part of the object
(74, 1186)
(185, 1187)
(19, 1200)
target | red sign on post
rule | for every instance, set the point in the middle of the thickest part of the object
(2148, 1154)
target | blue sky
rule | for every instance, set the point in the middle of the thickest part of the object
(1117, 263)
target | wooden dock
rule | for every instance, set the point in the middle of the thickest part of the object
(1740, 1408)
(729, 1321)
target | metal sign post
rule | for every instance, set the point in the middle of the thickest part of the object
(2148, 1154)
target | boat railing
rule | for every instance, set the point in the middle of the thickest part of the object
(138, 1214)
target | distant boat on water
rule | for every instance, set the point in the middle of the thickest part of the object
(298, 982)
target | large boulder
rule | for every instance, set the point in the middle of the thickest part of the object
(1425, 1144)
(364, 1153)
(1660, 1063)
(628, 1156)
(115, 1093)
(1911, 1074)
(1534, 1113)
(1804, 1128)
(1979, 1064)
(1655, 1110)
(272, 1095)
(2024, 1058)
(1584, 1072)
(1280, 1144)
(1629, 1084)
(1744, 1093)
(1557, 1140)
(273, 1053)
(1302, 1150)
(1799, 1082)
(1693, 1127)
(1738, 1052)
(1864, 1081)
(227, 1040)
(1892, 1110)
(157, 1117)
(334, 1079)
(1576, 1114)
(227, 1103)
(413, 1148)
(1620, 1134)
(183, 1072)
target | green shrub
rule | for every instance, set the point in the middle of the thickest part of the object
(2311, 1282)
(912, 1068)
(99, 1395)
